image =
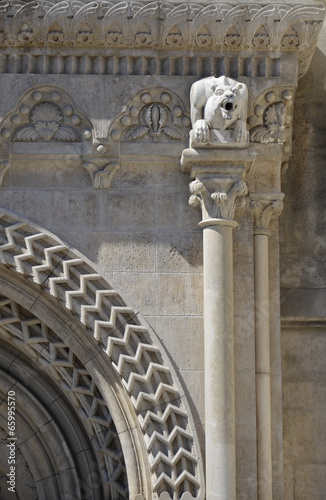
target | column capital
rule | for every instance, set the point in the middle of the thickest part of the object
(217, 185)
(217, 197)
(265, 206)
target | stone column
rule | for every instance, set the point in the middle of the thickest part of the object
(217, 195)
(264, 206)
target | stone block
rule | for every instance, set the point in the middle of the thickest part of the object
(303, 355)
(179, 252)
(194, 382)
(289, 482)
(115, 251)
(246, 453)
(243, 287)
(161, 294)
(56, 209)
(149, 174)
(139, 210)
(47, 173)
(244, 342)
(245, 397)
(312, 394)
(310, 482)
(183, 338)
(304, 436)
(243, 252)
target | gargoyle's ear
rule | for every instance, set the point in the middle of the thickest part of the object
(238, 86)
(213, 87)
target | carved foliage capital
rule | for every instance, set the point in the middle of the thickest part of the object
(265, 208)
(216, 197)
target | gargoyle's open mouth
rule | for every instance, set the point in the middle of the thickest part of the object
(229, 106)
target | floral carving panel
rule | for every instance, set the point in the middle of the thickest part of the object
(45, 125)
(155, 115)
(45, 113)
(271, 119)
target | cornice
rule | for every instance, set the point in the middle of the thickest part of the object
(246, 27)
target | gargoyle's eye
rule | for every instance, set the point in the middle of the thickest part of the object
(219, 92)
(236, 92)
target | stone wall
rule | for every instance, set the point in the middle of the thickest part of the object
(303, 278)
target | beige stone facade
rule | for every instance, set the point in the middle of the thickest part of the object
(162, 250)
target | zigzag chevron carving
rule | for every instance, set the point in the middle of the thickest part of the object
(160, 407)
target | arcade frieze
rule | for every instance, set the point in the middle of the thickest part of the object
(163, 25)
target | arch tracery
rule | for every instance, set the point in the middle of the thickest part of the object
(157, 407)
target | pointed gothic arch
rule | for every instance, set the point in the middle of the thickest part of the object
(92, 342)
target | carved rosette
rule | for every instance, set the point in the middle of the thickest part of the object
(217, 198)
(265, 207)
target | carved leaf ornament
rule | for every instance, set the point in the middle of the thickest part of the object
(274, 130)
(158, 114)
(155, 118)
(46, 125)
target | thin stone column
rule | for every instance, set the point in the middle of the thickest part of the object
(264, 206)
(217, 196)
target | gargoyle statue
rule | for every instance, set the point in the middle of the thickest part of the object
(219, 104)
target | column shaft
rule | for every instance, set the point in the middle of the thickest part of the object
(219, 360)
(263, 386)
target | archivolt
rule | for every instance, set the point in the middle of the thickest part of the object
(51, 358)
(145, 399)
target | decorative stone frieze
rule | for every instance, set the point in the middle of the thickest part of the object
(265, 206)
(45, 113)
(272, 27)
(154, 114)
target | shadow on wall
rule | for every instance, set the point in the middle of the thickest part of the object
(303, 221)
